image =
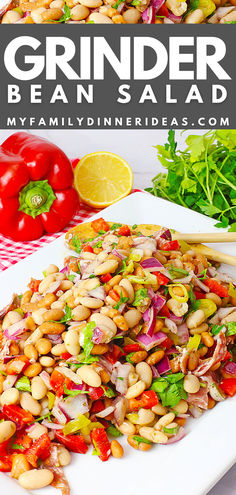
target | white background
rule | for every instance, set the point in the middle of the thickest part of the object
(135, 146)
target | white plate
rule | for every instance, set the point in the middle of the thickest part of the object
(190, 467)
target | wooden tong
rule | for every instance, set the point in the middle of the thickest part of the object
(196, 239)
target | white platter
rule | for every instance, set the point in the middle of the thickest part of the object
(190, 467)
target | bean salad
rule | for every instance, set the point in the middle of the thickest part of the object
(135, 334)
(118, 11)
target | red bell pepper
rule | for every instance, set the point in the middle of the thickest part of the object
(167, 343)
(216, 287)
(164, 311)
(75, 443)
(169, 246)
(36, 193)
(115, 354)
(3, 448)
(101, 443)
(100, 224)
(17, 415)
(124, 230)
(34, 285)
(57, 382)
(131, 348)
(163, 11)
(97, 407)
(228, 385)
(105, 278)
(95, 393)
(17, 365)
(5, 463)
(147, 400)
(162, 279)
(199, 295)
(88, 249)
(39, 449)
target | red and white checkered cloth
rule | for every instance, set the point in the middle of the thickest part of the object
(11, 252)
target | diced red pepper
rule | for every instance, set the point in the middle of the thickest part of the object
(169, 246)
(104, 423)
(101, 443)
(65, 355)
(5, 463)
(74, 443)
(199, 295)
(114, 295)
(131, 348)
(24, 441)
(95, 393)
(3, 448)
(164, 311)
(88, 249)
(97, 407)
(216, 287)
(115, 354)
(163, 11)
(228, 385)
(34, 285)
(100, 224)
(227, 356)
(17, 365)
(124, 230)
(17, 414)
(38, 450)
(167, 343)
(105, 278)
(147, 400)
(57, 382)
(162, 279)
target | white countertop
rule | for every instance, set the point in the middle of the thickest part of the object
(136, 146)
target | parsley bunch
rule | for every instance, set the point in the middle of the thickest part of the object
(170, 389)
(202, 177)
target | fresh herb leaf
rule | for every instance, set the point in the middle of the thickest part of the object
(202, 176)
(88, 333)
(45, 416)
(67, 316)
(108, 391)
(66, 16)
(122, 300)
(231, 329)
(23, 384)
(16, 446)
(116, 226)
(123, 267)
(216, 329)
(176, 272)
(71, 277)
(73, 393)
(135, 225)
(139, 440)
(92, 275)
(140, 295)
(77, 244)
(203, 274)
(129, 356)
(116, 7)
(112, 430)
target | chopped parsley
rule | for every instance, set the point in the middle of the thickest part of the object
(203, 274)
(170, 389)
(71, 277)
(139, 440)
(108, 391)
(135, 225)
(88, 333)
(67, 316)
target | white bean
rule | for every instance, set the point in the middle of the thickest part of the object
(98, 18)
(89, 376)
(7, 430)
(10, 396)
(91, 302)
(153, 435)
(38, 388)
(195, 319)
(132, 317)
(72, 342)
(144, 372)
(191, 384)
(36, 478)
(135, 390)
(108, 266)
(28, 403)
(37, 431)
(49, 279)
(11, 318)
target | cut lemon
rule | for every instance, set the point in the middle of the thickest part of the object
(103, 178)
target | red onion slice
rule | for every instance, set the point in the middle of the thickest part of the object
(97, 336)
(52, 426)
(163, 366)
(15, 330)
(105, 412)
(176, 438)
(150, 318)
(148, 342)
(9, 382)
